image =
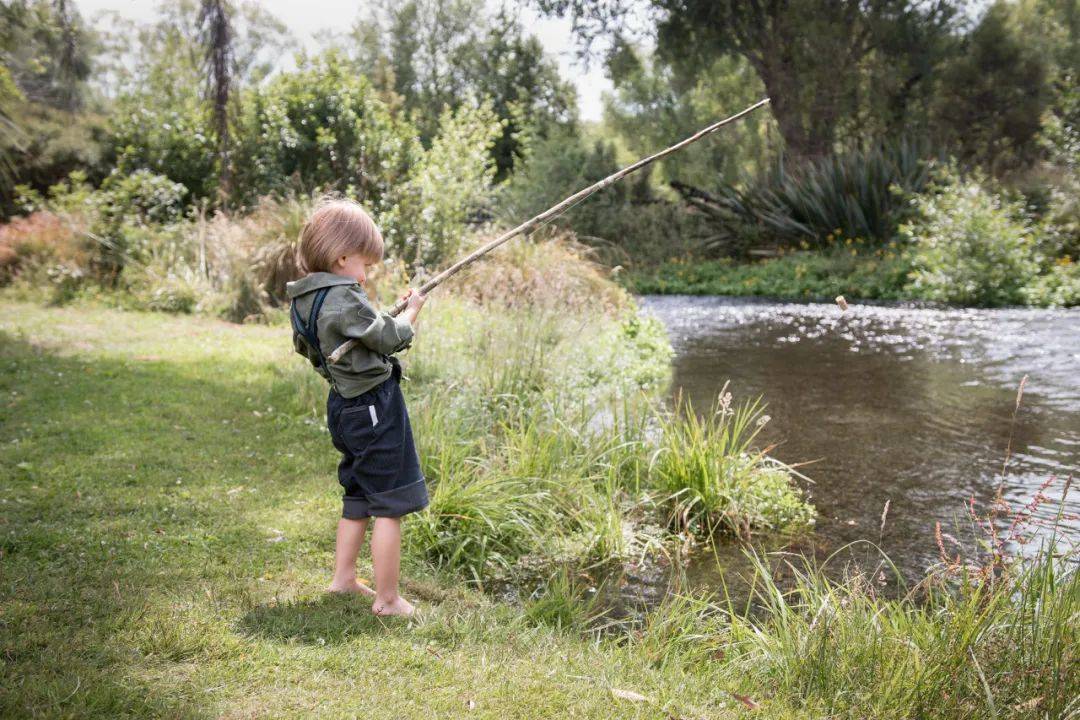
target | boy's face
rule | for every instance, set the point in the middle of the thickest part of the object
(354, 265)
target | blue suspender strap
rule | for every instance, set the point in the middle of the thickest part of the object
(310, 332)
(313, 319)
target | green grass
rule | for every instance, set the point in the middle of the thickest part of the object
(166, 528)
(800, 275)
(714, 477)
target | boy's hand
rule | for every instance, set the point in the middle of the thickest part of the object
(415, 299)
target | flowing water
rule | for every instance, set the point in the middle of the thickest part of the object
(908, 406)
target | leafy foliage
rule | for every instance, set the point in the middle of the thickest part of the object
(971, 245)
(322, 126)
(993, 96)
(622, 221)
(48, 50)
(429, 55)
(447, 186)
(652, 106)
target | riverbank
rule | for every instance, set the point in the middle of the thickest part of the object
(798, 276)
(883, 274)
(167, 530)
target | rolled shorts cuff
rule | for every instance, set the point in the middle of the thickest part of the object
(389, 503)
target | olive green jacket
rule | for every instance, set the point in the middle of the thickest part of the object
(347, 313)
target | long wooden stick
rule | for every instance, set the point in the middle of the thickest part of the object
(533, 223)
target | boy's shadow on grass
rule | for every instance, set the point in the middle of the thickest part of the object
(328, 619)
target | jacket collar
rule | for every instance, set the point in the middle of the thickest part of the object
(316, 281)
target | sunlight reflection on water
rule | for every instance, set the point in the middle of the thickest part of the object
(902, 404)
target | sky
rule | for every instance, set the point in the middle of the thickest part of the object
(307, 17)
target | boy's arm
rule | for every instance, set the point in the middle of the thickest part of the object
(380, 331)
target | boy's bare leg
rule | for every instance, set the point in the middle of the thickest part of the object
(386, 556)
(350, 536)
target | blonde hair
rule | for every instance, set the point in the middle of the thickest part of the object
(337, 227)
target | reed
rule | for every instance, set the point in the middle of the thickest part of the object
(843, 648)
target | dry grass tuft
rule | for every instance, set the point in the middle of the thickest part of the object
(550, 269)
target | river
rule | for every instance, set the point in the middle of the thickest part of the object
(908, 406)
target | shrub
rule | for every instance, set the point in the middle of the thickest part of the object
(971, 245)
(168, 135)
(1058, 287)
(322, 126)
(32, 244)
(121, 221)
(448, 183)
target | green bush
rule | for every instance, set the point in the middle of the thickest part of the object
(166, 135)
(123, 219)
(449, 182)
(322, 126)
(1058, 287)
(970, 245)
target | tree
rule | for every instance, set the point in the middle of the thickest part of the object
(652, 106)
(991, 100)
(217, 39)
(165, 58)
(47, 49)
(46, 130)
(807, 53)
(427, 55)
(157, 73)
(524, 85)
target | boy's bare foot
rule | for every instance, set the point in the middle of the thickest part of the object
(351, 587)
(397, 606)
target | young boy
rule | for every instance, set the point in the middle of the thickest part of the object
(365, 410)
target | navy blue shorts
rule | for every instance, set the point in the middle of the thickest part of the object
(379, 468)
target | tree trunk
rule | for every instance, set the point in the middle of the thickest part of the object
(807, 131)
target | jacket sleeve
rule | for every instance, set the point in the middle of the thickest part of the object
(380, 331)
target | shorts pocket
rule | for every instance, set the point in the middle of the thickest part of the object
(358, 425)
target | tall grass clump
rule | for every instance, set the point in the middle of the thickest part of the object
(716, 480)
(564, 601)
(812, 646)
(983, 649)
